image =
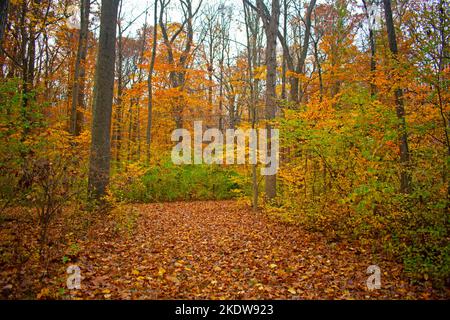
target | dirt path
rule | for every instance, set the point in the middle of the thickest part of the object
(221, 250)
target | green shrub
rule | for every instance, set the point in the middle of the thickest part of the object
(168, 182)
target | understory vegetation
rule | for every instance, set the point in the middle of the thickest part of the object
(86, 123)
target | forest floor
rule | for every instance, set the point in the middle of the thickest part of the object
(221, 250)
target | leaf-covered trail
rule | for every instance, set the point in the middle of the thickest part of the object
(222, 250)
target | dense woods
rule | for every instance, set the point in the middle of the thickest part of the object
(91, 91)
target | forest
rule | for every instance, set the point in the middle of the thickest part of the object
(96, 94)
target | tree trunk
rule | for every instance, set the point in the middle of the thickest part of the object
(442, 86)
(301, 63)
(319, 68)
(4, 5)
(284, 67)
(80, 71)
(117, 128)
(100, 157)
(150, 82)
(252, 50)
(28, 60)
(373, 62)
(271, 30)
(405, 178)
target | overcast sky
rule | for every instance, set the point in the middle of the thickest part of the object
(134, 8)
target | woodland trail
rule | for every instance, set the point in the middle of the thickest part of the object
(222, 250)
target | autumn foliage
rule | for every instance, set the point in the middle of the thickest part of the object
(344, 179)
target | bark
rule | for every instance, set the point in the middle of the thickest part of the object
(28, 51)
(442, 86)
(100, 155)
(271, 29)
(150, 82)
(252, 33)
(373, 62)
(78, 100)
(319, 68)
(221, 84)
(405, 178)
(284, 66)
(4, 5)
(120, 86)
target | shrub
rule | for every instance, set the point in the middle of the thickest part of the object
(168, 182)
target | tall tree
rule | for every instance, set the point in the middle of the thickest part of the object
(178, 76)
(271, 30)
(405, 178)
(373, 62)
(224, 35)
(150, 80)
(4, 5)
(295, 62)
(252, 31)
(124, 75)
(100, 155)
(78, 99)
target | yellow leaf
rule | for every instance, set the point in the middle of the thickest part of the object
(44, 293)
(173, 279)
(292, 291)
(135, 272)
(161, 272)
(273, 266)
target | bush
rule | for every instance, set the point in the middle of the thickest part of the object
(168, 182)
(342, 178)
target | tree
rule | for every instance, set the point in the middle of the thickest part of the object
(211, 43)
(294, 68)
(4, 5)
(405, 178)
(150, 81)
(100, 154)
(178, 76)
(224, 46)
(271, 29)
(252, 31)
(373, 62)
(78, 99)
(124, 75)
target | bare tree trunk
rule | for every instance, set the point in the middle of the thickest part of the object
(271, 29)
(117, 128)
(4, 5)
(28, 58)
(130, 130)
(294, 81)
(80, 71)
(100, 156)
(150, 82)
(252, 34)
(221, 90)
(284, 67)
(442, 86)
(405, 178)
(305, 47)
(373, 62)
(319, 67)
